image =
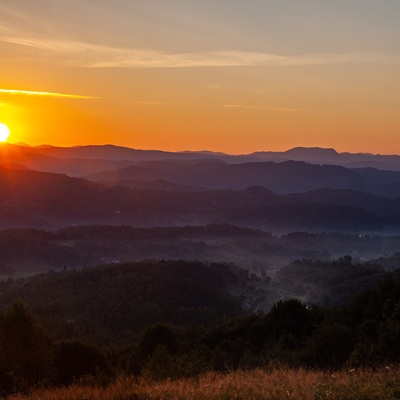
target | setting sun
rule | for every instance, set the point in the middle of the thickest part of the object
(4, 132)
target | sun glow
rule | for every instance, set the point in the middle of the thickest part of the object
(4, 132)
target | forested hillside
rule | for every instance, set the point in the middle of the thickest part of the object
(361, 333)
(255, 250)
(111, 303)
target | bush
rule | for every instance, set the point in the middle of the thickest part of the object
(74, 360)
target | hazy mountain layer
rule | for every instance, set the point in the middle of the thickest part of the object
(51, 201)
(286, 177)
(81, 160)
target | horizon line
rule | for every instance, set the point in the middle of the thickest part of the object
(44, 145)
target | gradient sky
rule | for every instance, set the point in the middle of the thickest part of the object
(223, 75)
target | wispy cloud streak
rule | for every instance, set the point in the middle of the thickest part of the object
(79, 54)
(149, 102)
(16, 92)
(260, 107)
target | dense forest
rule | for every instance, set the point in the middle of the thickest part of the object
(176, 318)
(256, 250)
(111, 303)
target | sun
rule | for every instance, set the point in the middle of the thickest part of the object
(4, 132)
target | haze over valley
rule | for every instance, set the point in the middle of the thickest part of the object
(79, 207)
(199, 200)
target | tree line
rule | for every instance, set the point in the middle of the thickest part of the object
(365, 332)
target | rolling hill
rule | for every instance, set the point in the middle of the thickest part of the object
(82, 160)
(52, 201)
(283, 178)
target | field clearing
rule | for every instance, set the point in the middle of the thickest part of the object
(278, 384)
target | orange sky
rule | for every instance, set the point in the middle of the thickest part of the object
(219, 76)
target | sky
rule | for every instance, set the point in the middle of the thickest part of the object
(221, 75)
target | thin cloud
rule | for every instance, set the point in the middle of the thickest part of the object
(260, 107)
(79, 54)
(16, 92)
(149, 102)
(233, 106)
(289, 109)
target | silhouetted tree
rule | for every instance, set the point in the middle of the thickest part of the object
(155, 336)
(25, 350)
(73, 360)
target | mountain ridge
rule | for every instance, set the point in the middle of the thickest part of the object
(110, 152)
(282, 178)
(52, 201)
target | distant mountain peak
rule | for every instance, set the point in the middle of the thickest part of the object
(313, 150)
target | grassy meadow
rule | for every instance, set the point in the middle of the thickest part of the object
(279, 384)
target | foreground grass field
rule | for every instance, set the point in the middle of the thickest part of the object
(383, 384)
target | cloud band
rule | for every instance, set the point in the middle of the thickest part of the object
(79, 54)
(16, 92)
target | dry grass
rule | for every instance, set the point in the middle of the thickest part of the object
(253, 385)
